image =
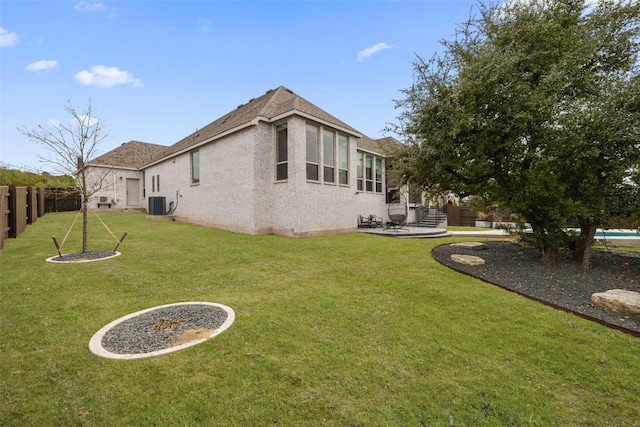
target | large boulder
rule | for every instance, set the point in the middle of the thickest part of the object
(618, 301)
(467, 259)
(476, 246)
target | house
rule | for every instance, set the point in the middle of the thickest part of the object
(275, 165)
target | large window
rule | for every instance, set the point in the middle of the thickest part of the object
(370, 173)
(195, 167)
(343, 159)
(328, 155)
(312, 153)
(282, 172)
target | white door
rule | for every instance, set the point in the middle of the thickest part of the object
(133, 192)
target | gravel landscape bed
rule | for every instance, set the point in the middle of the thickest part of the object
(163, 328)
(83, 256)
(563, 284)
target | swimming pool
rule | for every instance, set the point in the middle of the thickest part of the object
(606, 233)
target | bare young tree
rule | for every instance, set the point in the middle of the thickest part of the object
(70, 148)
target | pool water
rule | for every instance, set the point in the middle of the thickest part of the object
(617, 234)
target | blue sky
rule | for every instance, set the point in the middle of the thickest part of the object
(155, 71)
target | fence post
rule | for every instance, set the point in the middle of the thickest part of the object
(32, 205)
(4, 215)
(18, 211)
(41, 210)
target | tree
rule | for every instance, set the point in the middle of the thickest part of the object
(16, 177)
(533, 106)
(70, 147)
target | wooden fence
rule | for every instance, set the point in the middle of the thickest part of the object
(460, 216)
(20, 206)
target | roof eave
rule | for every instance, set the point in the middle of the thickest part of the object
(98, 165)
(296, 112)
(253, 122)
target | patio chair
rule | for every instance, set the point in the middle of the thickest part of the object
(364, 221)
(398, 214)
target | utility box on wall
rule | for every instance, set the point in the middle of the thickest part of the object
(157, 205)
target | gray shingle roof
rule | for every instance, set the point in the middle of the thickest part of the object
(384, 145)
(132, 154)
(272, 104)
(275, 103)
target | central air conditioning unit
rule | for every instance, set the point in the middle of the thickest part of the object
(157, 205)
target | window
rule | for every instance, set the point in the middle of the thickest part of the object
(312, 153)
(282, 172)
(328, 155)
(378, 175)
(158, 182)
(370, 170)
(360, 171)
(343, 159)
(153, 183)
(195, 167)
(369, 173)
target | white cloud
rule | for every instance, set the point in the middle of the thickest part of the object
(54, 123)
(42, 65)
(90, 6)
(94, 7)
(365, 53)
(102, 76)
(7, 38)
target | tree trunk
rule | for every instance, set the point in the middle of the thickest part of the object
(583, 247)
(548, 252)
(84, 224)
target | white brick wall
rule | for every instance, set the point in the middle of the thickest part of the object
(112, 184)
(238, 189)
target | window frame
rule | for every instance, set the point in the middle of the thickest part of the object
(329, 162)
(368, 172)
(343, 171)
(370, 179)
(310, 164)
(360, 170)
(279, 161)
(378, 174)
(195, 180)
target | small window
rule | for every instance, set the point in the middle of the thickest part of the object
(360, 171)
(195, 167)
(343, 159)
(282, 172)
(312, 153)
(328, 155)
(369, 173)
(158, 182)
(378, 175)
(153, 183)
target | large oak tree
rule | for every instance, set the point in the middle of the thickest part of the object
(533, 106)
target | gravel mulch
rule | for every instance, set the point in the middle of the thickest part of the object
(163, 328)
(83, 256)
(564, 285)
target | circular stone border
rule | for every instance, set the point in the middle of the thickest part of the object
(78, 261)
(95, 344)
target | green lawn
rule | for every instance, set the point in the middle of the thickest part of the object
(350, 330)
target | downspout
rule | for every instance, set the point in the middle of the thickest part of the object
(115, 188)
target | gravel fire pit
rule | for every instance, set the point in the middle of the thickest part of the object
(161, 330)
